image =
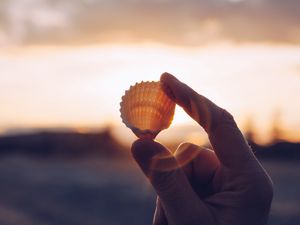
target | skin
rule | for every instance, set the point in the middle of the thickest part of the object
(199, 186)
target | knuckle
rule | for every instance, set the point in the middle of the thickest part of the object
(186, 153)
(226, 116)
(185, 146)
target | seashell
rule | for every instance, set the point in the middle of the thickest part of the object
(146, 109)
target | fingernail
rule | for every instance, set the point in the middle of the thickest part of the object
(143, 151)
(170, 76)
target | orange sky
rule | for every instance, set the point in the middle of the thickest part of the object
(82, 87)
(68, 64)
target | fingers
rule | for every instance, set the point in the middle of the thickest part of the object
(225, 137)
(179, 201)
(200, 166)
(201, 163)
(202, 110)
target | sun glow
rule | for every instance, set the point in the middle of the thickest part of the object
(82, 86)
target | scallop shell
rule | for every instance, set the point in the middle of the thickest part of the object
(146, 109)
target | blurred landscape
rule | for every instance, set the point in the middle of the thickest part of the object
(65, 64)
(87, 179)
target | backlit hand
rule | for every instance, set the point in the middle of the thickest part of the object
(198, 186)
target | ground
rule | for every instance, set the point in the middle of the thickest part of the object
(106, 192)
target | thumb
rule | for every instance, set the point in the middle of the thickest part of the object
(179, 201)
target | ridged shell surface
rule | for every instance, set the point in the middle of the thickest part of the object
(146, 109)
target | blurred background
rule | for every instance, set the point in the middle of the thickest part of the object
(64, 65)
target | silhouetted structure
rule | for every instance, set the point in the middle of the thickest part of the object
(276, 131)
(277, 151)
(103, 144)
(249, 130)
(65, 144)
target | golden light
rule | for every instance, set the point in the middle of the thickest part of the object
(82, 86)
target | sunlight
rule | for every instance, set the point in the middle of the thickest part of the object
(181, 117)
(83, 86)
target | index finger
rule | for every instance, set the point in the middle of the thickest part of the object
(224, 135)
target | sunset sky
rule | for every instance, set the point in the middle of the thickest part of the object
(66, 63)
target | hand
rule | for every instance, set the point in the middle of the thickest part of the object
(198, 186)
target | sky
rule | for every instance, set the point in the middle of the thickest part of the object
(67, 63)
(176, 22)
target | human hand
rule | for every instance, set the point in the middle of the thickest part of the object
(198, 186)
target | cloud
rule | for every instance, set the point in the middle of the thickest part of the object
(177, 22)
